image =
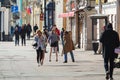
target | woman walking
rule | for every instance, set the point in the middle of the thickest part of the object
(53, 40)
(40, 49)
(68, 46)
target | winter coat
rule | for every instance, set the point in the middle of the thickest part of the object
(40, 42)
(16, 33)
(68, 43)
(23, 33)
(109, 40)
(53, 38)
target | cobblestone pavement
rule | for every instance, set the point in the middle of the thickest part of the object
(19, 63)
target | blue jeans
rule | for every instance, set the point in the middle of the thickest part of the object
(72, 56)
(16, 41)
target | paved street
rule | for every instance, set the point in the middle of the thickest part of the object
(19, 63)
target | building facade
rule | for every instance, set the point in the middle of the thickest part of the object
(5, 20)
(80, 24)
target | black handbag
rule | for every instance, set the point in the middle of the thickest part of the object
(35, 45)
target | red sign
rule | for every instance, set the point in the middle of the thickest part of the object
(64, 15)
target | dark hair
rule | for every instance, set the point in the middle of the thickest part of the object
(109, 26)
(62, 29)
(54, 25)
(66, 32)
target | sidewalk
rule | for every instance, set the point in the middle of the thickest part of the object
(19, 63)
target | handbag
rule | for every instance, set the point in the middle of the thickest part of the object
(117, 50)
(34, 45)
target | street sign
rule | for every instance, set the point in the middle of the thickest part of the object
(14, 9)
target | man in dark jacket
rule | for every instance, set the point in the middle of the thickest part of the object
(109, 40)
(29, 30)
(35, 28)
(23, 35)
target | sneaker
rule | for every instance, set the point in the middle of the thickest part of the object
(65, 62)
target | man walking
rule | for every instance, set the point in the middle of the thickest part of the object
(109, 40)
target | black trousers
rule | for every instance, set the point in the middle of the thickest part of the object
(39, 55)
(23, 41)
(109, 65)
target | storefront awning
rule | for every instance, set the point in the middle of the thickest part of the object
(98, 16)
(65, 15)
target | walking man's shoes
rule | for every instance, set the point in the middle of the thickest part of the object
(107, 75)
(65, 62)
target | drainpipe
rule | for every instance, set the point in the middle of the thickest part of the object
(45, 14)
(77, 24)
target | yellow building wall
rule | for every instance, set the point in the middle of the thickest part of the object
(97, 1)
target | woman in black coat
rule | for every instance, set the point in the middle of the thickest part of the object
(109, 40)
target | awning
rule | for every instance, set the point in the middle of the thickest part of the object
(98, 16)
(64, 15)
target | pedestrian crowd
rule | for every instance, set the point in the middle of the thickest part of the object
(42, 39)
(21, 32)
(109, 40)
